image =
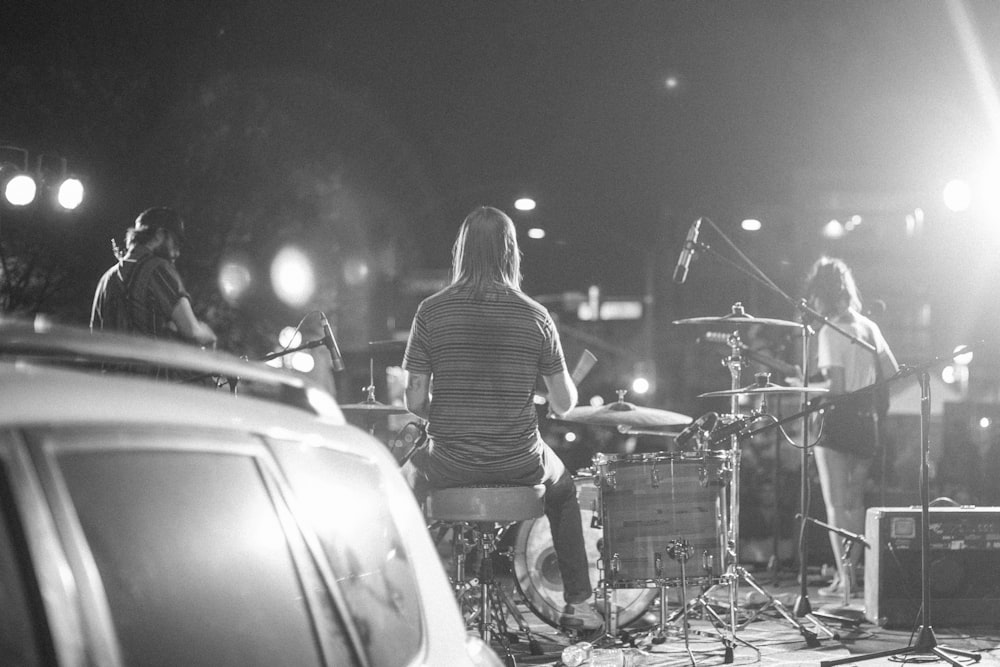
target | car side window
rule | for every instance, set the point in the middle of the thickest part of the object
(23, 631)
(193, 557)
(348, 504)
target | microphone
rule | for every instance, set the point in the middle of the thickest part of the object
(704, 423)
(734, 428)
(687, 253)
(331, 344)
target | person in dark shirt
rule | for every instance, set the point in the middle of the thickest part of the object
(143, 293)
(483, 343)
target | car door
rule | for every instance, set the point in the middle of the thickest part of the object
(183, 551)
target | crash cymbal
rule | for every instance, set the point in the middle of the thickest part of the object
(622, 413)
(373, 408)
(768, 389)
(738, 317)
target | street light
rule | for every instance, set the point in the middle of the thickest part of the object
(18, 185)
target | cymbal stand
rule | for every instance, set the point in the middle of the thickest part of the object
(734, 571)
(802, 607)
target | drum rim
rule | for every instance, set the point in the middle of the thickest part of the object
(601, 458)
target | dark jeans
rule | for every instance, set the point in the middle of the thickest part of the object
(562, 508)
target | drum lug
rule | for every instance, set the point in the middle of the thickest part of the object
(595, 518)
(654, 477)
(658, 564)
(616, 564)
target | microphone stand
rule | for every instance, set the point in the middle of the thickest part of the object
(926, 643)
(802, 607)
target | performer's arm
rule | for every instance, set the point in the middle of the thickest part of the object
(190, 326)
(417, 394)
(562, 393)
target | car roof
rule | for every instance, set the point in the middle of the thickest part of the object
(68, 346)
(40, 394)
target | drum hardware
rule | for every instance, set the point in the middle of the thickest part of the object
(736, 320)
(762, 387)
(369, 407)
(536, 571)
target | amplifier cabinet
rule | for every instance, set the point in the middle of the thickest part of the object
(963, 566)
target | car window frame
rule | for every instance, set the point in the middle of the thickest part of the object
(308, 558)
(51, 569)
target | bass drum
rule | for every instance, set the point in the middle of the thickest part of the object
(536, 571)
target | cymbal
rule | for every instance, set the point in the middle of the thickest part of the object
(622, 413)
(768, 389)
(741, 320)
(374, 408)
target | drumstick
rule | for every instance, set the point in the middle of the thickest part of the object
(583, 366)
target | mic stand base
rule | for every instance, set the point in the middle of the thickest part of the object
(926, 645)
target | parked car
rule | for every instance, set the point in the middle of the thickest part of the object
(147, 522)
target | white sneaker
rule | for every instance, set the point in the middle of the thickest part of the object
(581, 616)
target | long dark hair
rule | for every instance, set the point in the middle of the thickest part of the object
(832, 282)
(485, 253)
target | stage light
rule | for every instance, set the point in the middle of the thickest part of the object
(957, 195)
(834, 230)
(234, 280)
(536, 233)
(292, 276)
(640, 385)
(525, 204)
(19, 188)
(962, 358)
(289, 337)
(70, 193)
(569, 436)
(303, 362)
(751, 225)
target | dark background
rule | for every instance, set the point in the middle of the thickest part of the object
(364, 131)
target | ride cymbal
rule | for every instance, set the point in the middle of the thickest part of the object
(622, 413)
(768, 389)
(738, 320)
(738, 317)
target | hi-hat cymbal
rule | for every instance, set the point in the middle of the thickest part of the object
(768, 389)
(622, 413)
(373, 408)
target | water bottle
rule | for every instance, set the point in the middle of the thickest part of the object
(616, 657)
(576, 654)
(583, 653)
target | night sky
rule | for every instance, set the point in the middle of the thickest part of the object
(343, 126)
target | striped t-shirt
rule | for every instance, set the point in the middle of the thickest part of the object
(484, 356)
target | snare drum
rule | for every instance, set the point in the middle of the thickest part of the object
(536, 571)
(651, 503)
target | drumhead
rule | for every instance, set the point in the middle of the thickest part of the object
(536, 570)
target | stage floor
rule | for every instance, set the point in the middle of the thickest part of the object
(766, 636)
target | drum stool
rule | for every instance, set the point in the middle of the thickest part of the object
(478, 515)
